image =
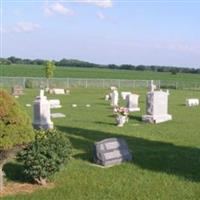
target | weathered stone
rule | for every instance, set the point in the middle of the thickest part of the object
(111, 151)
(17, 90)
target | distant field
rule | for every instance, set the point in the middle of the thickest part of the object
(38, 71)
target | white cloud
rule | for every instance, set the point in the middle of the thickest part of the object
(26, 27)
(100, 15)
(99, 3)
(48, 11)
(57, 8)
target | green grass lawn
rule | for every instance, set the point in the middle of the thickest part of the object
(38, 71)
(166, 156)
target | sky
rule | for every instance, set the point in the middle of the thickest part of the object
(104, 32)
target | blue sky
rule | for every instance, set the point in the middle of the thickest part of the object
(106, 31)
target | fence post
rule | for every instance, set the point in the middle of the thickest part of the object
(86, 83)
(133, 83)
(119, 83)
(67, 82)
(24, 81)
(147, 83)
(159, 84)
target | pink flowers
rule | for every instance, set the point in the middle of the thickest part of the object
(122, 111)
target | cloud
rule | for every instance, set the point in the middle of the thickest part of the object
(100, 15)
(26, 27)
(57, 8)
(99, 3)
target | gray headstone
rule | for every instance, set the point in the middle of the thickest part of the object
(111, 151)
(17, 90)
(157, 107)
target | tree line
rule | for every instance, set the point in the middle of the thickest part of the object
(78, 63)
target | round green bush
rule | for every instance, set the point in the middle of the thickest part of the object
(43, 157)
(15, 124)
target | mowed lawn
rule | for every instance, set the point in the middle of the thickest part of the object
(74, 72)
(166, 156)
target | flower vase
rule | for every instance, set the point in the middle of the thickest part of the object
(120, 120)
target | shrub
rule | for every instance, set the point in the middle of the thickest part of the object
(46, 155)
(15, 128)
(29, 83)
(15, 124)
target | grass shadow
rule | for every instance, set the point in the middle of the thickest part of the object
(14, 172)
(151, 155)
(105, 123)
(137, 118)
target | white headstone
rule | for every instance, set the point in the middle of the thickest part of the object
(114, 98)
(41, 113)
(192, 102)
(157, 107)
(57, 91)
(54, 103)
(132, 102)
(125, 94)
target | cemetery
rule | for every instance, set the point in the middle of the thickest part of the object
(155, 149)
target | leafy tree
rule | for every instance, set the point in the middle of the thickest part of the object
(15, 128)
(46, 155)
(49, 71)
(4, 61)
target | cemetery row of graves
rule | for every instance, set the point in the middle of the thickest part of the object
(152, 133)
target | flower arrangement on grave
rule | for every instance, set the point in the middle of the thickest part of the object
(122, 116)
(122, 111)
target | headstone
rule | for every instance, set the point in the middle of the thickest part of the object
(57, 115)
(108, 97)
(17, 90)
(114, 98)
(113, 88)
(67, 92)
(152, 87)
(132, 102)
(125, 94)
(192, 102)
(57, 91)
(157, 107)
(54, 103)
(41, 113)
(111, 151)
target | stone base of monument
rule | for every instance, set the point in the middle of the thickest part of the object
(155, 119)
(43, 126)
(111, 151)
(57, 115)
(133, 109)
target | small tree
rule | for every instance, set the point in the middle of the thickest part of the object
(46, 155)
(15, 128)
(49, 70)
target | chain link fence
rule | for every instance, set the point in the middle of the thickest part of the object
(32, 82)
